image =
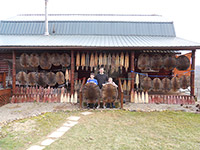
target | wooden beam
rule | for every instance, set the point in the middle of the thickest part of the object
(4, 80)
(132, 69)
(72, 72)
(14, 71)
(192, 79)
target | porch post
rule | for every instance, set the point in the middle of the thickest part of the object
(132, 69)
(192, 73)
(14, 71)
(72, 72)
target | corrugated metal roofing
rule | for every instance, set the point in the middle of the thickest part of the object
(94, 41)
(89, 25)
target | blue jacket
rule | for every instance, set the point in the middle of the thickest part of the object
(92, 80)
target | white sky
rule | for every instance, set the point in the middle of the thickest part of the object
(184, 13)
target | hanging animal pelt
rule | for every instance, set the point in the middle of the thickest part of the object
(183, 62)
(169, 62)
(143, 61)
(185, 81)
(126, 61)
(117, 62)
(113, 63)
(56, 59)
(166, 85)
(31, 78)
(34, 60)
(109, 60)
(109, 93)
(45, 61)
(60, 78)
(24, 60)
(22, 78)
(41, 79)
(76, 86)
(95, 61)
(91, 61)
(87, 61)
(77, 61)
(51, 79)
(121, 60)
(91, 92)
(125, 86)
(65, 60)
(83, 60)
(175, 84)
(157, 85)
(146, 84)
(156, 62)
(104, 60)
(67, 75)
(129, 86)
(100, 60)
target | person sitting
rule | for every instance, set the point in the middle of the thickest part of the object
(110, 81)
(92, 79)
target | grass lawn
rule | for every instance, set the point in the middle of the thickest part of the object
(109, 130)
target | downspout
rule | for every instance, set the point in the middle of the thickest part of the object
(46, 19)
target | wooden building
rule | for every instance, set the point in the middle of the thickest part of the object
(139, 51)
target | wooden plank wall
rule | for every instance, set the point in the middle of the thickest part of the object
(3, 63)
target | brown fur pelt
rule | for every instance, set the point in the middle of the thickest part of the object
(175, 82)
(24, 60)
(31, 78)
(51, 79)
(22, 78)
(156, 62)
(45, 61)
(60, 78)
(91, 92)
(143, 61)
(34, 60)
(183, 63)
(56, 59)
(109, 93)
(157, 84)
(65, 60)
(166, 85)
(169, 62)
(184, 82)
(41, 79)
(146, 84)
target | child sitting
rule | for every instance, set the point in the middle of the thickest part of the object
(110, 81)
(92, 79)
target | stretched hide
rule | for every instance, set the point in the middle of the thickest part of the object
(22, 78)
(65, 60)
(109, 93)
(91, 92)
(60, 78)
(45, 61)
(157, 84)
(56, 59)
(169, 62)
(146, 84)
(41, 79)
(31, 78)
(24, 60)
(51, 79)
(156, 62)
(126, 64)
(184, 82)
(183, 63)
(143, 61)
(34, 60)
(166, 85)
(175, 84)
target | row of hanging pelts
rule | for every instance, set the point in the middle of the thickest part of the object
(157, 62)
(45, 60)
(112, 61)
(43, 79)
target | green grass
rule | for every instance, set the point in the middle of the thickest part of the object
(109, 130)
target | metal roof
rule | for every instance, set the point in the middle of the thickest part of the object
(138, 25)
(94, 41)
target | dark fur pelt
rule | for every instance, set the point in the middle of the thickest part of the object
(109, 93)
(41, 79)
(45, 61)
(24, 60)
(146, 84)
(169, 61)
(143, 61)
(175, 84)
(31, 78)
(91, 92)
(34, 60)
(51, 79)
(60, 79)
(157, 84)
(156, 62)
(166, 85)
(65, 60)
(183, 63)
(184, 82)
(56, 59)
(22, 78)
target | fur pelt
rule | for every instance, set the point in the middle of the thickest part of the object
(41, 79)
(169, 62)
(34, 60)
(51, 79)
(109, 93)
(22, 78)
(143, 61)
(157, 84)
(184, 82)
(175, 82)
(166, 85)
(24, 60)
(146, 84)
(31, 78)
(56, 59)
(60, 79)
(45, 61)
(65, 60)
(183, 63)
(156, 62)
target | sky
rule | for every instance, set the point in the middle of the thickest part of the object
(184, 13)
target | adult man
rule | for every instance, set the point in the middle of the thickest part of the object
(101, 77)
